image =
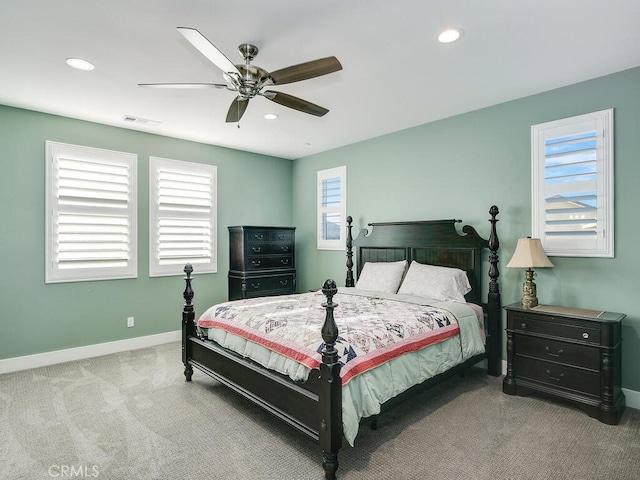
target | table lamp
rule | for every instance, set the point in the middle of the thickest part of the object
(529, 254)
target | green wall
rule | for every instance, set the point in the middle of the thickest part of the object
(453, 168)
(460, 166)
(36, 318)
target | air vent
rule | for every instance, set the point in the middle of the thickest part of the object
(140, 121)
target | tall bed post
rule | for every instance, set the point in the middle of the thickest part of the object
(494, 338)
(188, 326)
(330, 433)
(349, 282)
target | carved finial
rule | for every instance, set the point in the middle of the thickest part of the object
(188, 269)
(329, 288)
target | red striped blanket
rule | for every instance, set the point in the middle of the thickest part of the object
(372, 330)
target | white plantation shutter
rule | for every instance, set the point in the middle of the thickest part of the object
(182, 207)
(572, 180)
(332, 207)
(91, 214)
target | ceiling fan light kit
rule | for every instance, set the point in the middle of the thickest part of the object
(248, 80)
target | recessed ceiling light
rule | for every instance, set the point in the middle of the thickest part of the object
(450, 35)
(80, 64)
(271, 116)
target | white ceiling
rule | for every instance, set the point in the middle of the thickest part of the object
(395, 74)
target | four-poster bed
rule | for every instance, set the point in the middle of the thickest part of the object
(314, 404)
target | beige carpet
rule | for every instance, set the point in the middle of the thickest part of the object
(132, 416)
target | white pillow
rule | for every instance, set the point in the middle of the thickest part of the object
(437, 283)
(381, 276)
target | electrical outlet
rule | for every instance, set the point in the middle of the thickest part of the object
(129, 321)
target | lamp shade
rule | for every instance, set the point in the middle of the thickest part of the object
(529, 254)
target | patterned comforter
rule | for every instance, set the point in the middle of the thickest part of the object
(382, 341)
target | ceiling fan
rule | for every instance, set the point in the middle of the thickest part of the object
(249, 80)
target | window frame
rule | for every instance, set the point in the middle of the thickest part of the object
(179, 167)
(341, 209)
(602, 245)
(54, 153)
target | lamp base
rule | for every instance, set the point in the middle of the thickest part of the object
(529, 292)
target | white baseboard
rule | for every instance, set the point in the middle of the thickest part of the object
(59, 356)
(632, 398)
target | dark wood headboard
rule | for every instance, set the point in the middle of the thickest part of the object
(434, 242)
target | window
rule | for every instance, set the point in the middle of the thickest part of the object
(90, 219)
(332, 207)
(572, 175)
(182, 216)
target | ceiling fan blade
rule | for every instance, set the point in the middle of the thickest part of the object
(208, 49)
(185, 85)
(304, 71)
(295, 103)
(237, 109)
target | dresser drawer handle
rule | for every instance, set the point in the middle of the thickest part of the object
(556, 378)
(259, 236)
(523, 325)
(284, 248)
(255, 285)
(284, 282)
(256, 263)
(282, 236)
(560, 352)
(585, 335)
(256, 249)
(284, 261)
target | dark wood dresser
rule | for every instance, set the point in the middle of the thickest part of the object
(571, 354)
(261, 261)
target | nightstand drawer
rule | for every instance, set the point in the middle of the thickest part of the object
(556, 327)
(556, 351)
(559, 376)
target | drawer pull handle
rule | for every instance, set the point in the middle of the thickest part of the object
(284, 282)
(523, 325)
(284, 248)
(259, 237)
(284, 261)
(255, 263)
(255, 285)
(560, 352)
(556, 378)
(256, 249)
(282, 236)
(585, 335)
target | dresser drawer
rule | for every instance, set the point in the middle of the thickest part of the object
(269, 248)
(556, 327)
(265, 263)
(282, 236)
(559, 376)
(556, 351)
(269, 235)
(278, 284)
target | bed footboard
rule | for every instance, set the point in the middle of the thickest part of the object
(314, 409)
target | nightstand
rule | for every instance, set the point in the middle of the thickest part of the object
(568, 353)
